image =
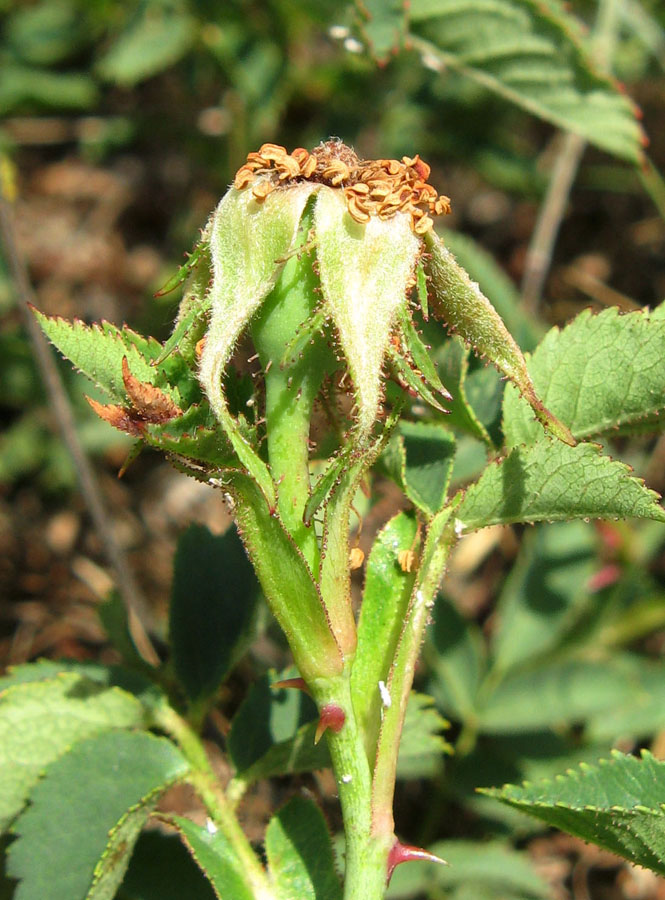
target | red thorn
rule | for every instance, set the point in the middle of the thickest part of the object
(297, 683)
(401, 853)
(332, 717)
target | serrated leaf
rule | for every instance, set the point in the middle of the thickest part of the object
(386, 597)
(300, 856)
(600, 373)
(216, 858)
(213, 600)
(196, 435)
(113, 614)
(638, 714)
(155, 38)
(530, 53)
(40, 720)
(422, 746)
(617, 804)
(161, 868)
(551, 481)
(98, 351)
(68, 828)
(460, 303)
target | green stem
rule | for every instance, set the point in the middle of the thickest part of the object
(291, 389)
(440, 537)
(366, 855)
(207, 786)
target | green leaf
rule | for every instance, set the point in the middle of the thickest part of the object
(40, 720)
(465, 309)
(156, 38)
(421, 747)
(267, 716)
(22, 85)
(544, 592)
(300, 856)
(385, 601)
(551, 481)
(455, 652)
(487, 866)
(530, 53)
(98, 350)
(453, 364)
(75, 838)
(495, 284)
(213, 601)
(429, 450)
(161, 868)
(383, 26)
(636, 714)
(617, 804)
(216, 858)
(115, 621)
(287, 583)
(561, 692)
(601, 373)
(365, 271)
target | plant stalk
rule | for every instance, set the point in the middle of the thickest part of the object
(207, 786)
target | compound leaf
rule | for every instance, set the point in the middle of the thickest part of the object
(530, 53)
(601, 373)
(550, 481)
(75, 838)
(617, 804)
(40, 720)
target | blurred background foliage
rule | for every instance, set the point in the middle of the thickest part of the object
(122, 124)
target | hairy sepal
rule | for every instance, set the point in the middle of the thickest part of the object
(248, 245)
(467, 311)
(365, 272)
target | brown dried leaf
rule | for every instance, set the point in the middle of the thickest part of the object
(149, 403)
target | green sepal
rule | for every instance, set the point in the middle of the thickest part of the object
(185, 270)
(421, 289)
(326, 482)
(196, 435)
(365, 272)
(419, 353)
(248, 243)
(465, 309)
(309, 331)
(287, 583)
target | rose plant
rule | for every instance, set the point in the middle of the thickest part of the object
(298, 374)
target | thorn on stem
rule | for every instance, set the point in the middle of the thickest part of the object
(298, 683)
(401, 853)
(332, 717)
